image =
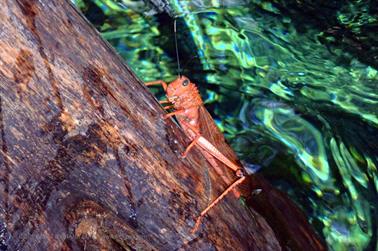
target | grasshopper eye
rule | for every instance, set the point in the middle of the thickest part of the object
(185, 82)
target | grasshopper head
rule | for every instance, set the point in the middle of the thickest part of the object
(179, 87)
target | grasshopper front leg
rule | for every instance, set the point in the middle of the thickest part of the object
(158, 82)
(165, 86)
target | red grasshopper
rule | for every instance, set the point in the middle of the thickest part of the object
(199, 126)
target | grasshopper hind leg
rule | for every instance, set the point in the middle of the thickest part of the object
(215, 202)
(213, 162)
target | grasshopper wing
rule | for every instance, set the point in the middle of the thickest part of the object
(211, 132)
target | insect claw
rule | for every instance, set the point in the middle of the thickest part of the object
(197, 225)
(239, 173)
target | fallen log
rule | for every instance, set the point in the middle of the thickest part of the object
(87, 163)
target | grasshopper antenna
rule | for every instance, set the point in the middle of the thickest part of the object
(177, 53)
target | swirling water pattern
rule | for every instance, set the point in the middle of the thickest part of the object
(346, 215)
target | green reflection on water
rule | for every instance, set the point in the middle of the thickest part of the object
(300, 136)
(136, 38)
(304, 110)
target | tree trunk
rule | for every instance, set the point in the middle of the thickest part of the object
(87, 162)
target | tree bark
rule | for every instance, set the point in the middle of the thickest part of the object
(87, 162)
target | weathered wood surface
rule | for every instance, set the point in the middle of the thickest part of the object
(86, 161)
